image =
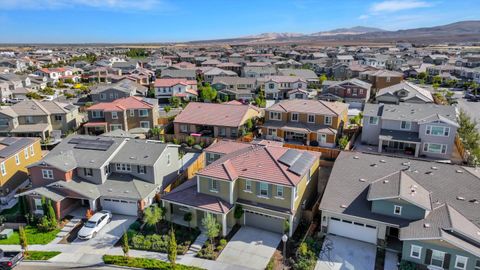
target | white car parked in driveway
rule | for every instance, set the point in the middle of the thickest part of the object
(94, 225)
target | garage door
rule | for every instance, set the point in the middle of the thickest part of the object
(122, 207)
(354, 230)
(264, 222)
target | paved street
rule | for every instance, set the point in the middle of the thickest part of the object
(59, 266)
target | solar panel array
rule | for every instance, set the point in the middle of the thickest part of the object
(289, 157)
(8, 141)
(91, 144)
(14, 146)
(302, 164)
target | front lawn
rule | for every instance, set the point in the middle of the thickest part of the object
(34, 236)
(144, 263)
(41, 255)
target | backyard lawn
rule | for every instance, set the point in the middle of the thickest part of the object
(34, 236)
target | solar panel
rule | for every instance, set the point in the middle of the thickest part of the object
(95, 144)
(302, 164)
(8, 141)
(289, 157)
(14, 147)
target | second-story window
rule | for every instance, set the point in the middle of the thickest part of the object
(437, 131)
(264, 189)
(142, 169)
(183, 128)
(3, 169)
(97, 114)
(279, 192)
(25, 151)
(132, 112)
(372, 120)
(248, 185)
(17, 159)
(294, 117)
(406, 125)
(114, 115)
(47, 174)
(275, 116)
(88, 171)
(328, 120)
(58, 118)
(311, 118)
(122, 167)
(397, 210)
(143, 113)
(213, 185)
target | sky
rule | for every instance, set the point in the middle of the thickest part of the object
(140, 21)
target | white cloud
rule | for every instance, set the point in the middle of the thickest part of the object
(394, 5)
(363, 17)
(99, 4)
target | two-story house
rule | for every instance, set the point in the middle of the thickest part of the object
(404, 92)
(134, 114)
(32, 118)
(235, 88)
(117, 174)
(425, 130)
(425, 210)
(167, 88)
(350, 91)
(122, 89)
(277, 87)
(310, 122)
(381, 78)
(225, 120)
(270, 184)
(16, 154)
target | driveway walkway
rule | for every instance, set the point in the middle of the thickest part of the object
(250, 248)
(339, 253)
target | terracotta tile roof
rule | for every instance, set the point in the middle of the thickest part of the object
(172, 82)
(258, 162)
(122, 104)
(310, 106)
(214, 114)
(227, 147)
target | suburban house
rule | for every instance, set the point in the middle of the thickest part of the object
(187, 74)
(122, 89)
(381, 78)
(420, 130)
(210, 74)
(182, 88)
(307, 74)
(134, 114)
(404, 92)
(277, 87)
(235, 88)
(224, 120)
(350, 91)
(259, 71)
(305, 121)
(32, 118)
(270, 183)
(16, 154)
(428, 211)
(117, 174)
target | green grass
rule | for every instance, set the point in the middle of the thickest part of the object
(41, 255)
(144, 263)
(33, 237)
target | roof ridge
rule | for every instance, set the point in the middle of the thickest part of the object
(278, 165)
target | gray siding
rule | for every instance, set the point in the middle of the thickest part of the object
(409, 211)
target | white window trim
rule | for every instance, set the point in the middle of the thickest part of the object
(114, 115)
(308, 118)
(132, 112)
(32, 151)
(275, 119)
(409, 125)
(3, 169)
(212, 188)
(248, 188)
(427, 145)
(17, 159)
(260, 190)
(373, 117)
(291, 117)
(443, 256)
(47, 174)
(328, 122)
(25, 152)
(148, 124)
(140, 114)
(395, 207)
(419, 251)
(428, 131)
(465, 263)
(277, 188)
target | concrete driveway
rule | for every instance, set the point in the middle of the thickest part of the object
(109, 234)
(250, 248)
(346, 254)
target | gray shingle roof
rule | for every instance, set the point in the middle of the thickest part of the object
(141, 152)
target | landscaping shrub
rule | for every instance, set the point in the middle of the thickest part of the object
(406, 265)
(144, 263)
(159, 243)
(190, 140)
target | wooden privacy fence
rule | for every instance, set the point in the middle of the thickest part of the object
(327, 153)
(182, 138)
(188, 173)
(461, 149)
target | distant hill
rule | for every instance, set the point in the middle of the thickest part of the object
(357, 30)
(275, 35)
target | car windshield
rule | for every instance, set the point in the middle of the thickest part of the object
(90, 224)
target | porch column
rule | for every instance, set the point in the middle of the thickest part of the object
(380, 143)
(93, 205)
(417, 149)
(224, 224)
(290, 229)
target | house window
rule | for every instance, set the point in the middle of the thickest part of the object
(248, 185)
(29, 120)
(143, 113)
(272, 132)
(264, 189)
(25, 151)
(184, 128)
(323, 138)
(58, 118)
(406, 125)
(97, 114)
(388, 79)
(437, 131)
(294, 117)
(142, 169)
(275, 116)
(437, 258)
(123, 167)
(222, 132)
(214, 185)
(114, 115)
(103, 96)
(17, 159)
(311, 118)
(435, 148)
(461, 262)
(144, 124)
(373, 120)
(477, 265)
(132, 112)
(328, 120)
(415, 251)
(115, 126)
(32, 151)
(280, 191)
(233, 132)
(47, 174)
(397, 210)
(88, 171)
(168, 159)
(3, 169)
(107, 170)
(271, 86)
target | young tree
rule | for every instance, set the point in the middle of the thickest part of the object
(152, 216)
(422, 76)
(322, 78)
(207, 93)
(125, 246)
(175, 102)
(22, 236)
(52, 216)
(210, 223)
(155, 131)
(437, 80)
(342, 143)
(172, 248)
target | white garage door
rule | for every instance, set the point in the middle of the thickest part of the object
(263, 221)
(117, 206)
(354, 230)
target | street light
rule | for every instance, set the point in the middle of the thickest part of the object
(284, 240)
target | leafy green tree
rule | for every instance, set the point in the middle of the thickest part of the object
(422, 75)
(435, 86)
(342, 143)
(175, 102)
(52, 216)
(210, 223)
(437, 80)
(238, 212)
(33, 95)
(322, 78)
(249, 124)
(286, 226)
(22, 236)
(155, 131)
(152, 216)
(208, 93)
(172, 248)
(125, 246)
(190, 140)
(167, 109)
